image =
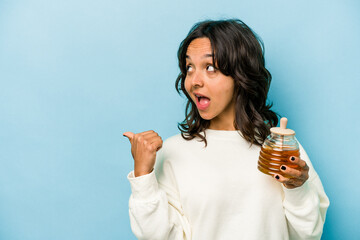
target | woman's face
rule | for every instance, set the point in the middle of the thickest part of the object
(218, 103)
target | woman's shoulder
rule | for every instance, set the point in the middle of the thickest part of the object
(174, 141)
(177, 142)
(172, 146)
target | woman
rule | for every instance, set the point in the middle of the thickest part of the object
(204, 184)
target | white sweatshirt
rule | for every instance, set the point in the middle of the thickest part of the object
(217, 193)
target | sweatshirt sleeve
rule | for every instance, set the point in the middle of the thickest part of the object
(305, 206)
(154, 206)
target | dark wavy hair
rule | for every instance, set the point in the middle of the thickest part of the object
(239, 53)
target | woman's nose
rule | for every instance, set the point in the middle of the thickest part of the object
(197, 80)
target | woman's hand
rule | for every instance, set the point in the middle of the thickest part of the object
(143, 149)
(299, 176)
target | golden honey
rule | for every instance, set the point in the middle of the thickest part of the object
(271, 160)
(277, 149)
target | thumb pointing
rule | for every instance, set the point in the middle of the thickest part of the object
(129, 135)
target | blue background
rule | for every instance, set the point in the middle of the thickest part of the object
(75, 75)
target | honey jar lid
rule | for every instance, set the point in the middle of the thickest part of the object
(282, 130)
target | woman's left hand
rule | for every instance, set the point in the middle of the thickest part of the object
(299, 176)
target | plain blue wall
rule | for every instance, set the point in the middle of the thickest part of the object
(75, 75)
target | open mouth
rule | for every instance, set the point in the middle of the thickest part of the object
(200, 96)
(202, 102)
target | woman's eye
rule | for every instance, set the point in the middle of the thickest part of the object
(188, 68)
(210, 68)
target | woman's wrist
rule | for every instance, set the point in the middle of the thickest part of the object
(141, 172)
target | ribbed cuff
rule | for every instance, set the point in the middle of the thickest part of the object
(144, 187)
(297, 196)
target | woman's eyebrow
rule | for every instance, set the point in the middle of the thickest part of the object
(205, 56)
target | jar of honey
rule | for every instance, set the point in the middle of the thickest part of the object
(277, 149)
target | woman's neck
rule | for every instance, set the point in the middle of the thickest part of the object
(222, 125)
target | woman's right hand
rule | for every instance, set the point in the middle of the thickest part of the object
(144, 146)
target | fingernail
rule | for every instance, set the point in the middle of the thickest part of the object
(277, 177)
(292, 158)
(283, 168)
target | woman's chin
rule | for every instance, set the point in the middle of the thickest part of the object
(205, 116)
